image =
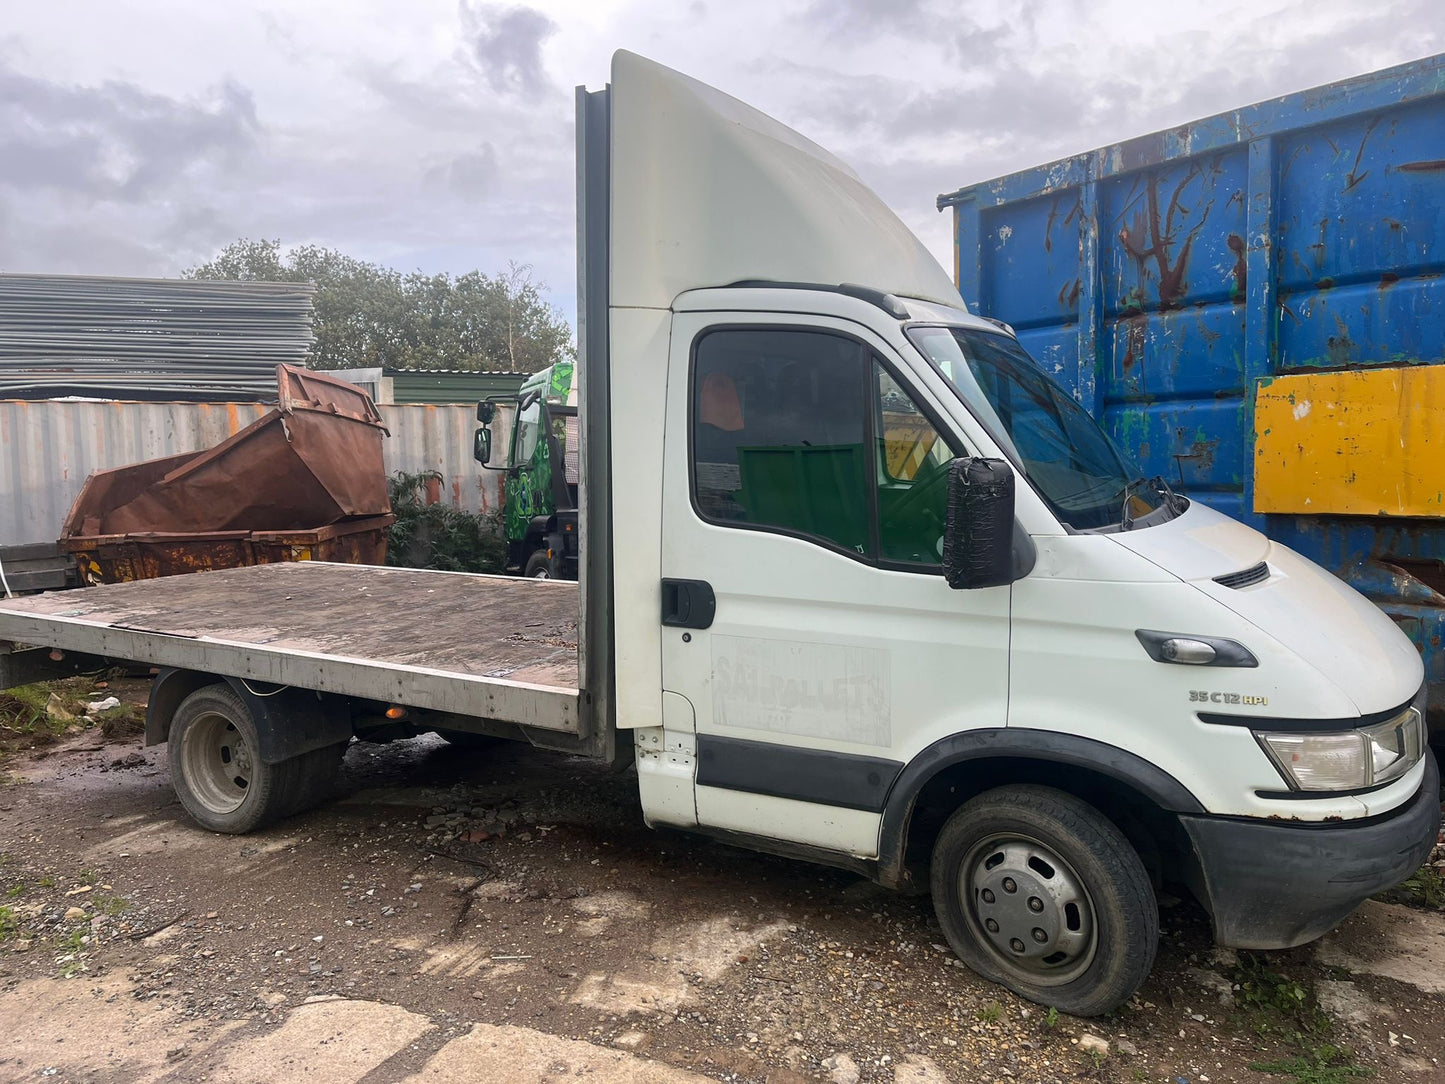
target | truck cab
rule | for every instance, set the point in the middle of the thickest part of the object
(884, 593)
(539, 511)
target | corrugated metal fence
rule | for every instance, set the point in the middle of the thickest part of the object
(48, 448)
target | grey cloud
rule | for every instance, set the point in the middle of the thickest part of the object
(854, 18)
(506, 43)
(114, 140)
(469, 176)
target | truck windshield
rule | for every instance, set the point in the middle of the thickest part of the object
(1071, 462)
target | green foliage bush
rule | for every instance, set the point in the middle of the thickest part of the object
(438, 535)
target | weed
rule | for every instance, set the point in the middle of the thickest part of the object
(1277, 1004)
(1324, 1064)
(26, 709)
(47, 881)
(1051, 1019)
(111, 905)
(14, 892)
(74, 941)
(9, 924)
(88, 877)
(991, 1013)
(1423, 888)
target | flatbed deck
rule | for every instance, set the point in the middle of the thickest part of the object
(486, 646)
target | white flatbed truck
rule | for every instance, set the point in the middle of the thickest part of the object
(858, 583)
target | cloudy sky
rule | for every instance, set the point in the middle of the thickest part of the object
(139, 136)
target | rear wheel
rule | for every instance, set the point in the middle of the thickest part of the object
(316, 772)
(1041, 893)
(216, 769)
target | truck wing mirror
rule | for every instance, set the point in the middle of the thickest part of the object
(482, 446)
(486, 411)
(978, 537)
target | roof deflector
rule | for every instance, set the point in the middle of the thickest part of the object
(708, 191)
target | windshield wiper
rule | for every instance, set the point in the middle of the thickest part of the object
(1126, 521)
(1168, 498)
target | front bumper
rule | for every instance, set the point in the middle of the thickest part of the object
(1272, 884)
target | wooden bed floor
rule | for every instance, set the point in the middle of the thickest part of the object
(478, 626)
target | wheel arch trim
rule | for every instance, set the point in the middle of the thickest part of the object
(288, 722)
(1016, 743)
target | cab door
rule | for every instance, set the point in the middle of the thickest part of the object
(806, 620)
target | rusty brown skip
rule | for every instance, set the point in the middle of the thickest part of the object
(304, 482)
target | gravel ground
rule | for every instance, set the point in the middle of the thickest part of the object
(509, 901)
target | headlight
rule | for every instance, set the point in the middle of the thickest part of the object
(1347, 759)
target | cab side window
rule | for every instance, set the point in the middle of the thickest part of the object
(779, 433)
(806, 433)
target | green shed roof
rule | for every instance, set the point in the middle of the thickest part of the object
(449, 386)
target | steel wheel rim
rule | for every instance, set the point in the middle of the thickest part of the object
(218, 763)
(1029, 909)
(542, 574)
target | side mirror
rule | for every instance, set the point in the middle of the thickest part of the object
(486, 411)
(978, 535)
(482, 446)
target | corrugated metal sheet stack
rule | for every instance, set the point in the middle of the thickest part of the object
(153, 339)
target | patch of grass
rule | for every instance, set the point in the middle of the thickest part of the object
(47, 881)
(25, 709)
(111, 905)
(9, 924)
(1277, 1005)
(87, 877)
(122, 721)
(14, 892)
(1424, 888)
(1325, 1064)
(1285, 1009)
(991, 1013)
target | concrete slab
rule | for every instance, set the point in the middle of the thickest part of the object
(333, 1041)
(507, 1054)
(1392, 942)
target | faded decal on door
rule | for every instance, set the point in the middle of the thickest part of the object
(813, 690)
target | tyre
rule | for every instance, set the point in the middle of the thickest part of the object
(316, 773)
(539, 567)
(1039, 892)
(215, 768)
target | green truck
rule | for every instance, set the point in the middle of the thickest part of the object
(539, 513)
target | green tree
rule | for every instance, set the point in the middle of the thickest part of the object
(368, 315)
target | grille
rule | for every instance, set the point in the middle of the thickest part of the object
(1245, 577)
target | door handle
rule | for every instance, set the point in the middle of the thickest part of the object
(688, 604)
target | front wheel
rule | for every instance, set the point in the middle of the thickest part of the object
(539, 567)
(1041, 893)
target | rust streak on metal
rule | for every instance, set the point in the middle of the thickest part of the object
(1432, 165)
